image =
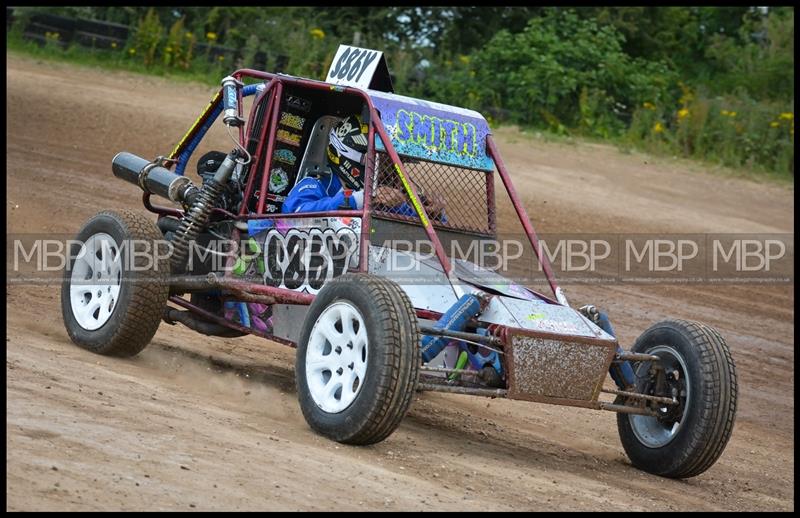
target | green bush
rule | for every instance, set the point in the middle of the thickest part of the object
(560, 72)
(179, 47)
(147, 38)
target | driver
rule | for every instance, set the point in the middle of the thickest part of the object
(341, 185)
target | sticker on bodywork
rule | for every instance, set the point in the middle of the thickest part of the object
(414, 200)
(292, 121)
(433, 131)
(303, 254)
(287, 137)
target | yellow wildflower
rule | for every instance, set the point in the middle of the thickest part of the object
(724, 112)
(189, 35)
(731, 114)
(687, 96)
(113, 44)
(211, 36)
(463, 59)
(658, 128)
(682, 113)
(648, 106)
(131, 51)
(787, 115)
(317, 34)
(774, 124)
(221, 57)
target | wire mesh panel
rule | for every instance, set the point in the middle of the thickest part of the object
(455, 198)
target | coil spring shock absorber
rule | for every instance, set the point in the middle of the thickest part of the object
(196, 216)
(203, 201)
(193, 222)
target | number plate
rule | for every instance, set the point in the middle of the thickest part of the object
(353, 66)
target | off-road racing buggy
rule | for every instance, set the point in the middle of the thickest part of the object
(373, 322)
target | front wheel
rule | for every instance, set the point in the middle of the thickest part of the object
(685, 439)
(358, 359)
(116, 284)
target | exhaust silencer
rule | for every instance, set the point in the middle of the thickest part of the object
(151, 178)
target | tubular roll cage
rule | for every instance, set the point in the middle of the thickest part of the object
(272, 94)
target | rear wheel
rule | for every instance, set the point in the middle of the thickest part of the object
(358, 359)
(114, 290)
(685, 439)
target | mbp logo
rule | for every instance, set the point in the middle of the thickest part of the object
(577, 255)
(747, 255)
(662, 255)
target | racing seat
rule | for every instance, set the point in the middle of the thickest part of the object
(315, 157)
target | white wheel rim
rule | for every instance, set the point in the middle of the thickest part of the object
(336, 357)
(95, 281)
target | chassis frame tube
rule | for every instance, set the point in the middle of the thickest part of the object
(256, 158)
(222, 321)
(624, 409)
(645, 397)
(435, 387)
(366, 219)
(273, 128)
(626, 356)
(213, 281)
(460, 335)
(523, 215)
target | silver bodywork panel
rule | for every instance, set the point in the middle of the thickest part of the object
(288, 321)
(423, 279)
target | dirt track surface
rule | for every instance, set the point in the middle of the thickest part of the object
(170, 429)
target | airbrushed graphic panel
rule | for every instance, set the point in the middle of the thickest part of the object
(433, 131)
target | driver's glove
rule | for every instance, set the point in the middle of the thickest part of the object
(358, 197)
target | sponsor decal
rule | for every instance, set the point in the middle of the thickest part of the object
(332, 156)
(304, 259)
(270, 196)
(437, 135)
(285, 156)
(346, 127)
(288, 137)
(298, 103)
(414, 200)
(278, 179)
(293, 121)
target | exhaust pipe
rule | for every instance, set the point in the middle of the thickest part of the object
(152, 178)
